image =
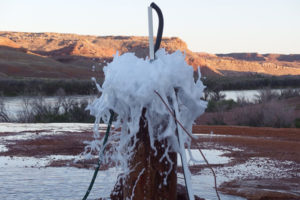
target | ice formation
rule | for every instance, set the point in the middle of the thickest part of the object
(129, 87)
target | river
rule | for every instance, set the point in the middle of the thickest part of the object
(15, 105)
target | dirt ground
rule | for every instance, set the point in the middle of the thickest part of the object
(275, 151)
(270, 144)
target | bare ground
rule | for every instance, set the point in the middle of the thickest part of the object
(279, 148)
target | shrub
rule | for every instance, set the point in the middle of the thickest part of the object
(242, 101)
(272, 114)
(218, 119)
(249, 116)
(289, 93)
(224, 105)
(253, 82)
(297, 123)
(266, 95)
(3, 113)
(65, 110)
(25, 115)
(216, 95)
(277, 115)
(16, 87)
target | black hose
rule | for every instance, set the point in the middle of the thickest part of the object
(160, 26)
(101, 153)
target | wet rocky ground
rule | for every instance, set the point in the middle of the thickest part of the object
(250, 163)
(265, 162)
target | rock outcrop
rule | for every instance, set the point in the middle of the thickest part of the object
(80, 52)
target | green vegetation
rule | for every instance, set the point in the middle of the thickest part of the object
(297, 123)
(76, 113)
(47, 87)
(247, 83)
(65, 110)
(270, 109)
(225, 105)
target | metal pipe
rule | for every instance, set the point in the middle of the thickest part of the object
(150, 28)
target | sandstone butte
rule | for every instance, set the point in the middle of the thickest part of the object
(57, 55)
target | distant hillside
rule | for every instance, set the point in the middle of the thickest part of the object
(262, 57)
(57, 55)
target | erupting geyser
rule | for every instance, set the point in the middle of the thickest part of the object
(146, 147)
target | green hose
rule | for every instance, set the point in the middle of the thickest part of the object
(100, 156)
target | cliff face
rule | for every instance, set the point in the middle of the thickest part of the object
(229, 66)
(85, 45)
(263, 57)
(72, 55)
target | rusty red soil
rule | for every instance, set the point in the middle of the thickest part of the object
(277, 144)
(281, 144)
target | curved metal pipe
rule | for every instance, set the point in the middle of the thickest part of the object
(160, 26)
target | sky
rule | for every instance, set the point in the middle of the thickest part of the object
(213, 26)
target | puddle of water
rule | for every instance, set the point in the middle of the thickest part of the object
(27, 178)
(203, 186)
(53, 183)
(212, 155)
(71, 183)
